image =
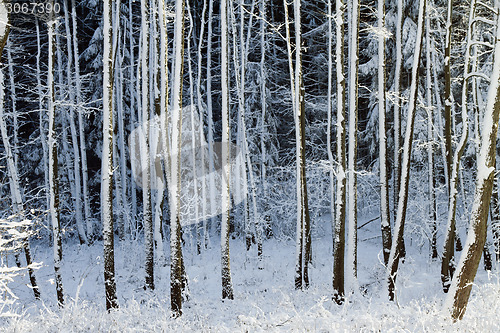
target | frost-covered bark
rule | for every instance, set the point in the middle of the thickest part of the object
(352, 242)
(384, 185)
(303, 240)
(15, 189)
(398, 103)
(447, 92)
(405, 166)
(145, 157)
(331, 161)
(447, 263)
(177, 278)
(430, 134)
(340, 210)
(227, 286)
(107, 161)
(53, 170)
(461, 285)
(81, 125)
(74, 138)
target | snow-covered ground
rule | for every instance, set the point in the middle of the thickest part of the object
(265, 299)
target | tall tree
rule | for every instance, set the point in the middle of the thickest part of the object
(407, 149)
(352, 243)
(447, 263)
(461, 285)
(53, 167)
(227, 285)
(145, 151)
(107, 160)
(15, 189)
(384, 186)
(340, 210)
(177, 275)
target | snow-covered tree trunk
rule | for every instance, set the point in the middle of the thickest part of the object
(211, 162)
(405, 166)
(430, 134)
(145, 157)
(107, 160)
(15, 189)
(199, 100)
(81, 125)
(42, 128)
(384, 185)
(74, 137)
(461, 285)
(177, 274)
(447, 93)
(447, 263)
(340, 210)
(53, 169)
(352, 242)
(133, 97)
(227, 285)
(398, 103)
(331, 161)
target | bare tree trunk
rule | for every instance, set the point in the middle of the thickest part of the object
(430, 136)
(177, 274)
(458, 296)
(447, 264)
(384, 186)
(146, 167)
(340, 211)
(107, 161)
(447, 93)
(227, 286)
(397, 247)
(53, 174)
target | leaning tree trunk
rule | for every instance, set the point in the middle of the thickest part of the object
(461, 285)
(447, 263)
(397, 243)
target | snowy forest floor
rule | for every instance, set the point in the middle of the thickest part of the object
(265, 299)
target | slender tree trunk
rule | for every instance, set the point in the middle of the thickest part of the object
(447, 92)
(146, 166)
(430, 136)
(340, 211)
(107, 161)
(397, 247)
(461, 285)
(74, 137)
(53, 170)
(177, 266)
(384, 186)
(227, 286)
(447, 264)
(352, 243)
(397, 105)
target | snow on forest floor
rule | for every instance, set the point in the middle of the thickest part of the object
(265, 299)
